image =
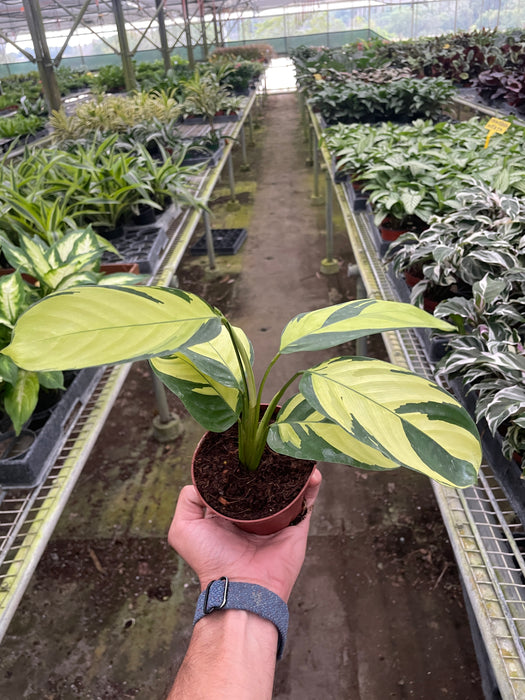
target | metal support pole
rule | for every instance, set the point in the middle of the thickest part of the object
(316, 197)
(187, 30)
(209, 240)
(245, 165)
(166, 426)
(221, 29)
(164, 45)
(250, 127)
(310, 137)
(125, 55)
(233, 204)
(203, 31)
(42, 56)
(329, 266)
(215, 27)
(360, 293)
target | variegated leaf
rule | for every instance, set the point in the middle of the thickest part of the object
(87, 326)
(14, 256)
(407, 418)
(217, 358)
(13, 298)
(215, 406)
(302, 432)
(324, 328)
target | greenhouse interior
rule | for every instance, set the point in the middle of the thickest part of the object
(246, 244)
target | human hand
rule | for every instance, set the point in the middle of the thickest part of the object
(215, 547)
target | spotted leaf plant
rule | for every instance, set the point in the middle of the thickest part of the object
(352, 410)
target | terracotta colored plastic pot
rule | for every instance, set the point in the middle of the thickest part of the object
(261, 526)
(411, 279)
(390, 234)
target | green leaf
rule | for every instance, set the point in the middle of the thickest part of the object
(213, 405)
(407, 418)
(51, 380)
(8, 369)
(87, 326)
(324, 328)
(411, 200)
(20, 399)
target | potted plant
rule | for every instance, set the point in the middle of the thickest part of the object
(486, 357)
(482, 237)
(206, 99)
(353, 410)
(38, 269)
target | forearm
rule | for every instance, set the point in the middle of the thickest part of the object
(231, 656)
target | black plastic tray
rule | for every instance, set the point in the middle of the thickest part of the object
(226, 241)
(30, 468)
(139, 244)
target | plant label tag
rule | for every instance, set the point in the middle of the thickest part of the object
(495, 126)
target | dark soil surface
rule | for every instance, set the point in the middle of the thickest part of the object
(230, 489)
(377, 611)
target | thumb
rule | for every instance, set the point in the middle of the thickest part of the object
(190, 507)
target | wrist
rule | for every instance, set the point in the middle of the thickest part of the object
(281, 589)
(223, 595)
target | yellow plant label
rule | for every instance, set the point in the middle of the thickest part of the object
(318, 76)
(495, 126)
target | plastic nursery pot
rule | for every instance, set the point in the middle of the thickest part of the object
(264, 525)
(412, 279)
(388, 233)
(259, 526)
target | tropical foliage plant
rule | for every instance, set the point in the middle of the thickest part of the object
(418, 169)
(488, 358)
(250, 52)
(109, 114)
(40, 269)
(205, 96)
(20, 125)
(402, 100)
(484, 236)
(102, 182)
(354, 410)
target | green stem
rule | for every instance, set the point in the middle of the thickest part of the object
(265, 377)
(264, 424)
(249, 417)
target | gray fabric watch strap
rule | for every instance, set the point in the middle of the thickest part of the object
(223, 594)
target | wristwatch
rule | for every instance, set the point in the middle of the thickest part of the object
(223, 594)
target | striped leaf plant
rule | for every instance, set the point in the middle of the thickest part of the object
(353, 410)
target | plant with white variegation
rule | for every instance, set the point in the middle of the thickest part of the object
(352, 410)
(489, 357)
(39, 269)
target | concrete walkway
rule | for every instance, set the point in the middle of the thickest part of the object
(377, 611)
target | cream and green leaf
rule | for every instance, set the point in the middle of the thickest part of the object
(333, 325)
(88, 326)
(391, 418)
(207, 379)
(356, 411)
